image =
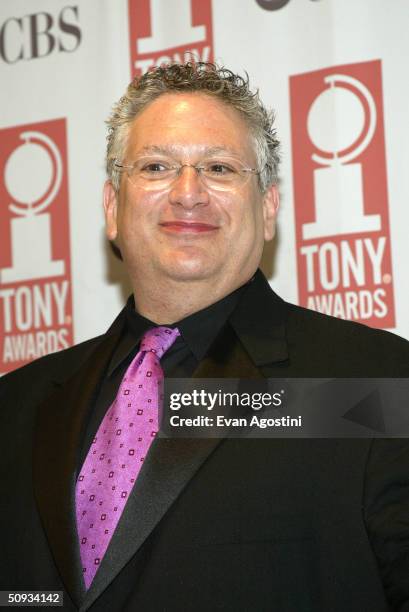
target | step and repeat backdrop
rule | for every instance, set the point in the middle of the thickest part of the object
(335, 71)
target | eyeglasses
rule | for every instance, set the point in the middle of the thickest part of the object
(221, 173)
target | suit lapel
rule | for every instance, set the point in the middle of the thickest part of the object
(60, 422)
(259, 322)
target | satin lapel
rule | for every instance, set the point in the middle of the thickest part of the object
(59, 428)
(168, 468)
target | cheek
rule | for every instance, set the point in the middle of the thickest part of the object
(137, 214)
(248, 218)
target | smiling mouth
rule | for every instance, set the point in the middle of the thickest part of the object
(188, 227)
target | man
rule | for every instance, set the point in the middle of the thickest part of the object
(233, 524)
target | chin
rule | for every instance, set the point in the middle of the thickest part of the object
(189, 270)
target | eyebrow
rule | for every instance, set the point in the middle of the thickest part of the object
(176, 149)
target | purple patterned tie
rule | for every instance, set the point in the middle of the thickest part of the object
(118, 450)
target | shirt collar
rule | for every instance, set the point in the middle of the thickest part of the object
(197, 331)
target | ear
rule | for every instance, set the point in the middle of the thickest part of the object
(271, 202)
(110, 209)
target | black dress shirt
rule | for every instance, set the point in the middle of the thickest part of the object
(197, 333)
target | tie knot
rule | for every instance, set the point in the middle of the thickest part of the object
(159, 339)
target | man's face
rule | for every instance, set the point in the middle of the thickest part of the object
(187, 231)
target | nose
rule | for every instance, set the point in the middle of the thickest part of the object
(188, 189)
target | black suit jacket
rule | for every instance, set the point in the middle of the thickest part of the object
(236, 524)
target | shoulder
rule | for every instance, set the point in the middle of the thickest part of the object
(41, 372)
(336, 340)
(304, 320)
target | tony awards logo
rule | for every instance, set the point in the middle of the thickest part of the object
(153, 42)
(341, 123)
(32, 177)
(340, 193)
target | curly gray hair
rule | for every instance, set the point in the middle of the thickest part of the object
(203, 77)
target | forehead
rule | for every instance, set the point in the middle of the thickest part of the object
(193, 123)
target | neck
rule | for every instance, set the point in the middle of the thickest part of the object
(176, 300)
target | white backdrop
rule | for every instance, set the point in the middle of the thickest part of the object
(334, 71)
